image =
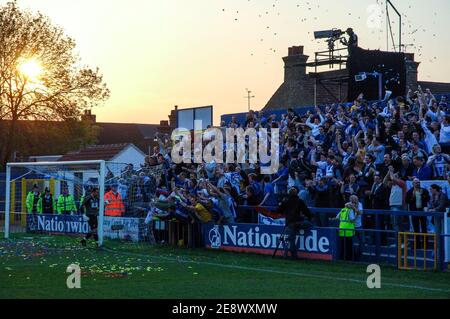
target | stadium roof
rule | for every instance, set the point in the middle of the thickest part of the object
(98, 152)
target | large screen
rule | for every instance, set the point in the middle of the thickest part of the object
(187, 117)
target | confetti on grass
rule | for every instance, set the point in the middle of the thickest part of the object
(61, 254)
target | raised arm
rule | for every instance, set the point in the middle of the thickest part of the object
(322, 118)
(313, 158)
(338, 143)
(408, 97)
(361, 123)
(309, 122)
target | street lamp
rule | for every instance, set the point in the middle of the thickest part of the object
(249, 97)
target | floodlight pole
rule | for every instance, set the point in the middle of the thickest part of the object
(7, 199)
(388, 2)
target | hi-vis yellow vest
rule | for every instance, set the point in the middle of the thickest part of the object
(346, 226)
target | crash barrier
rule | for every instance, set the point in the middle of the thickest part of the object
(408, 247)
(176, 233)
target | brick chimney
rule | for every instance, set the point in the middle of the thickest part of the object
(412, 71)
(298, 87)
(88, 116)
(164, 128)
(173, 119)
(293, 68)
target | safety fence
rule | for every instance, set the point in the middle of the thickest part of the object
(176, 233)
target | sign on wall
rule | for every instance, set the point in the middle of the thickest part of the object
(122, 228)
(113, 227)
(265, 220)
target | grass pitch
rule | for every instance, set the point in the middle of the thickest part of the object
(35, 267)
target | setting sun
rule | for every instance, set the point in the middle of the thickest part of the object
(30, 69)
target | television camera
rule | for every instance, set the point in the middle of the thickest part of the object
(331, 35)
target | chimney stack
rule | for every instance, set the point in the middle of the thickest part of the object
(173, 117)
(412, 70)
(294, 68)
(88, 116)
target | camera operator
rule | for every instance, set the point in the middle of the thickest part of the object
(352, 42)
(298, 216)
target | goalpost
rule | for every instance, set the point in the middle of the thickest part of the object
(75, 177)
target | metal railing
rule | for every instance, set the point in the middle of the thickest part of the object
(334, 211)
(418, 239)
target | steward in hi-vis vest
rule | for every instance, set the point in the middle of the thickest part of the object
(113, 203)
(66, 203)
(32, 200)
(347, 217)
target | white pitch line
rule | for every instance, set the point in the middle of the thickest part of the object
(281, 272)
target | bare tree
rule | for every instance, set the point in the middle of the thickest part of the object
(41, 76)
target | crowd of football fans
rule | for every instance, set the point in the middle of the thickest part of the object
(371, 150)
(376, 155)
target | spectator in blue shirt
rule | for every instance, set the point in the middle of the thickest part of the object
(377, 150)
(256, 186)
(270, 199)
(421, 170)
(281, 178)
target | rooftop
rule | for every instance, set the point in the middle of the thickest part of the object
(97, 152)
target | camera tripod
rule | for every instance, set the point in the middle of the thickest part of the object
(284, 238)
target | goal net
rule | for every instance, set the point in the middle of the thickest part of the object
(53, 199)
(47, 198)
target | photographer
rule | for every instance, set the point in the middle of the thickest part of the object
(298, 216)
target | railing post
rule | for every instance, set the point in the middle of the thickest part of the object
(425, 259)
(441, 248)
(377, 236)
(399, 250)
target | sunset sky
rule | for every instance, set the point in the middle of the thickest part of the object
(155, 54)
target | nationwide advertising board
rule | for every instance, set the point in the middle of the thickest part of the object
(57, 224)
(320, 244)
(113, 227)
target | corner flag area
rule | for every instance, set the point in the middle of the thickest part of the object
(34, 266)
